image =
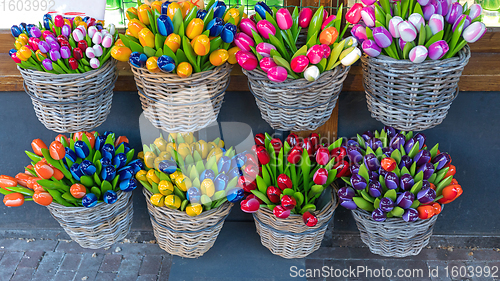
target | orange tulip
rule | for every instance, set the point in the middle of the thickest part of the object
(60, 137)
(58, 175)
(119, 43)
(78, 190)
(43, 170)
(22, 179)
(13, 200)
(42, 198)
(147, 38)
(91, 138)
(135, 26)
(57, 151)
(173, 41)
(328, 36)
(121, 53)
(186, 8)
(121, 139)
(156, 5)
(201, 45)
(6, 182)
(184, 69)
(37, 145)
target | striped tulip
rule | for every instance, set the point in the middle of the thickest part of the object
(359, 32)
(401, 44)
(442, 7)
(265, 28)
(78, 35)
(407, 31)
(475, 11)
(299, 63)
(436, 23)
(146, 38)
(277, 74)
(418, 54)
(247, 25)
(438, 49)
(91, 31)
(97, 38)
(243, 41)
(393, 26)
(371, 48)
(97, 50)
(368, 15)
(417, 20)
(264, 49)
(474, 32)
(456, 11)
(16, 58)
(89, 52)
(459, 19)
(173, 41)
(66, 30)
(95, 63)
(246, 60)
(107, 41)
(267, 63)
(382, 37)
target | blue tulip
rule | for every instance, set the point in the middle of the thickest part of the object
(108, 151)
(89, 200)
(201, 14)
(70, 155)
(234, 172)
(126, 173)
(224, 164)
(28, 29)
(215, 26)
(12, 51)
(219, 9)
(47, 17)
(193, 195)
(136, 165)
(164, 7)
(15, 30)
(108, 173)
(165, 25)
(87, 168)
(99, 26)
(261, 8)
(235, 195)
(126, 147)
(207, 174)
(107, 133)
(99, 142)
(138, 60)
(240, 160)
(23, 26)
(167, 166)
(86, 19)
(166, 64)
(75, 171)
(105, 161)
(228, 32)
(128, 185)
(220, 182)
(81, 149)
(120, 160)
(110, 197)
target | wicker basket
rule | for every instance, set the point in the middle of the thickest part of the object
(97, 227)
(394, 237)
(409, 96)
(290, 238)
(297, 104)
(185, 236)
(68, 103)
(176, 104)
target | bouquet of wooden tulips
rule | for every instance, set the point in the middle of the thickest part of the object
(62, 45)
(180, 37)
(293, 175)
(394, 174)
(189, 175)
(415, 30)
(82, 170)
(269, 41)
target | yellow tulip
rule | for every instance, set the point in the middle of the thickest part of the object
(184, 69)
(140, 155)
(201, 45)
(131, 13)
(135, 26)
(142, 12)
(166, 187)
(149, 159)
(173, 202)
(186, 7)
(202, 148)
(141, 175)
(207, 187)
(121, 53)
(172, 9)
(25, 52)
(161, 143)
(175, 175)
(183, 183)
(157, 200)
(211, 146)
(218, 57)
(184, 150)
(82, 23)
(156, 5)
(194, 28)
(165, 155)
(217, 152)
(173, 41)
(194, 210)
(119, 43)
(24, 38)
(147, 38)
(232, 13)
(152, 64)
(221, 144)
(171, 147)
(127, 32)
(188, 137)
(152, 177)
(232, 55)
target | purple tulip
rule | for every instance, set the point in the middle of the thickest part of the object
(359, 32)
(284, 19)
(315, 54)
(354, 168)
(352, 143)
(427, 195)
(54, 55)
(421, 139)
(474, 32)
(391, 132)
(387, 151)
(373, 175)
(65, 52)
(475, 11)
(442, 7)
(378, 215)
(423, 3)
(382, 36)
(375, 188)
(266, 63)
(371, 48)
(441, 159)
(354, 154)
(358, 182)
(391, 180)
(427, 169)
(422, 157)
(405, 200)
(264, 49)
(43, 47)
(407, 31)
(375, 144)
(409, 145)
(406, 182)
(429, 10)
(348, 204)
(425, 184)
(397, 141)
(54, 46)
(386, 204)
(265, 28)
(368, 2)
(346, 192)
(393, 26)
(243, 41)
(402, 44)
(246, 60)
(459, 19)
(406, 161)
(418, 54)
(35, 32)
(277, 74)
(247, 25)
(367, 135)
(417, 20)
(368, 15)
(47, 64)
(66, 30)
(371, 162)
(455, 11)
(299, 63)
(410, 215)
(436, 23)
(438, 49)
(382, 172)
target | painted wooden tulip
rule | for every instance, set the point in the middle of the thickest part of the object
(107, 150)
(232, 13)
(407, 31)
(277, 74)
(247, 25)
(194, 209)
(219, 57)
(438, 49)
(309, 219)
(346, 192)
(243, 41)
(90, 52)
(194, 28)
(261, 8)
(368, 16)
(391, 180)
(265, 28)
(267, 63)
(110, 197)
(173, 41)
(375, 188)
(273, 193)
(128, 185)
(207, 187)
(89, 200)
(393, 26)
(215, 26)
(228, 32)
(246, 185)
(264, 49)
(456, 11)
(13, 200)
(354, 14)
(81, 149)
(427, 169)
(259, 139)
(436, 23)
(467, 22)
(308, 146)
(379, 215)
(219, 8)
(146, 38)
(406, 182)
(35, 31)
(138, 60)
(311, 73)
(358, 182)
(165, 25)
(288, 202)
(284, 182)
(382, 36)
(224, 164)
(15, 31)
(422, 157)
(371, 48)
(475, 11)
(450, 193)
(442, 7)
(43, 47)
(429, 10)
(321, 176)
(295, 154)
(417, 21)
(371, 162)
(119, 160)
(108, 173)
(59, 21)
(388, 164)
(359, 32)
(441, 161)
(406, 161)
(166, 64)
(418, 54)
(207, 174)
(126, 172)
(87, 168)
(410, 215)
(75, 171)
(349, 56)
(386, 204)
(91, 31)
(263, 155)
(322, 155)
(135, 26)
(284, 19)
(246, 60)
(328, 36)
(250, 205)
(220, 182)
(184, 69)
(299, 64)
(327, 21)
(305, 17)
(474, 32)
(397, 141)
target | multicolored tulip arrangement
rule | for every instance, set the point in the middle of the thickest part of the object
(289, 178)
(394, 174)
(268, 40)
(189, 175)
(179, 38)
(415, 30)
(62, 45)
(81, 170)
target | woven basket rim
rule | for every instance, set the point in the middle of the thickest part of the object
(339, 69)
(111, 61)
(56, 205)
(363, 213)
(173, 75)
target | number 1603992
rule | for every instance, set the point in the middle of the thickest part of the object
(27, 5)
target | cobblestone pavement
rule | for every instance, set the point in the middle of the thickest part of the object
(44, 260)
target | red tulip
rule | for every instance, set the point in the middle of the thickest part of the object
(251, 171)
(255, 148)
(246, 185)
(342, 168)
(309, 219)
(263, 156)
(321, 176)
(250, 205)
(322, 155)
(251, 159)
(77, 53)
(284, 182)
(273, 193)
(338, 154)
(295, 154)
(307, 145)
(277, 145)
(305, 17)
(281, 212)
(354, 14)
(251, 195)
(288, 202)
(82, 45)
(260, 139)
(292, 139)
(73, 63)
(314, 141)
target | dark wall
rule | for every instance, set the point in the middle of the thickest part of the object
(470, 134)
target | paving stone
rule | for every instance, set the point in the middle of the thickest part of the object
(105, 276)
(141, 249)
(20, 245)
(129, 267)
(337, 266)
(313, 265)
(147, 277)
(64, 275)
(23, 274)
(438, 270)
(48, 266)
(486, 255)
(166, 264)
(330, 253)
(454, 267)
(71, 262)
(73, 248)
(31, 259)
(89, 266)
(363, 253)
(111, 263)
(150, 265)
(9, 263)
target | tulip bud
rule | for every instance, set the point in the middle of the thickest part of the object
(218, 57)
(474, 32)
(368, 15)
(194, 28)
(438, 49)
(267, 63)
(311, 74)
(246, 60)
(265, 28)
(243, 41)
(215, 26)
(305, 17)
(264, 49)
(35, 32)
(418, 54)
(475, 11)
(467, 22)
(92, 31)
(359, 32)
(247, 25)
(94, 63)
(166, 64)
(429, 10)
(54, 55)
(322, 156)
(201, 45)
(407, 31)
(201, 14)
(417, 21)
(299, 63)
(90, 52)
(107, 41)
(350, 56)
(393, 26)
(284, 19)
(228, 32)
(59, 21)
(65, 52)
(111, 29)
(120, 53)
(456, 11)
(382, 37)
(277, 74)
(328, 36)
(354, 14)
(436, 23)
(371, 48)
(173, 41)
(184, 69)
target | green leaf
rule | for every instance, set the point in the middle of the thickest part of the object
(444, 183)
(391, 193)
(363, 171)
(363, 204)
(436, 37)
(362, 143)
(398, 212)
(434, 150)
(136, 47)
(308, 207)
(266, 176)
(125, 40)
(313, 40)
(105, 186)
(282, 62)
(261, 196)
(306, 168)
(261, 185)
(419, 177)
(190, 54)
(416, 187)
(281, 48)
(96, 191)
(299, 197)
(396, 155)
(367, 196)
(414, 150)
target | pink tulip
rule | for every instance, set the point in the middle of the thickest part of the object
(418, 54)
(459, 19)
(354, 14)
(97, 38)
(382, 37)
(327, 21)
(78, 35)
(299, 64)
(247, 25)
(359, 32)
(368, 15)
(371, 48)
(82, 29)
(243, 41)
(393, 26)
(474, 32)
(284, 19)
(326, 51)
(265, 28)
(277, 74)
(97, 50)
(107, 41)
(246, 60)
(368, 2)
(315, 54)
(401, 44)
(94, 63)
(92, 30)
(407, 31)
(475, 11)
(455, 11)
(264, 49)
(438, 49)
(417, 20)
(321, 176)
(305, 17)
(266, 63)
(436, 23)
